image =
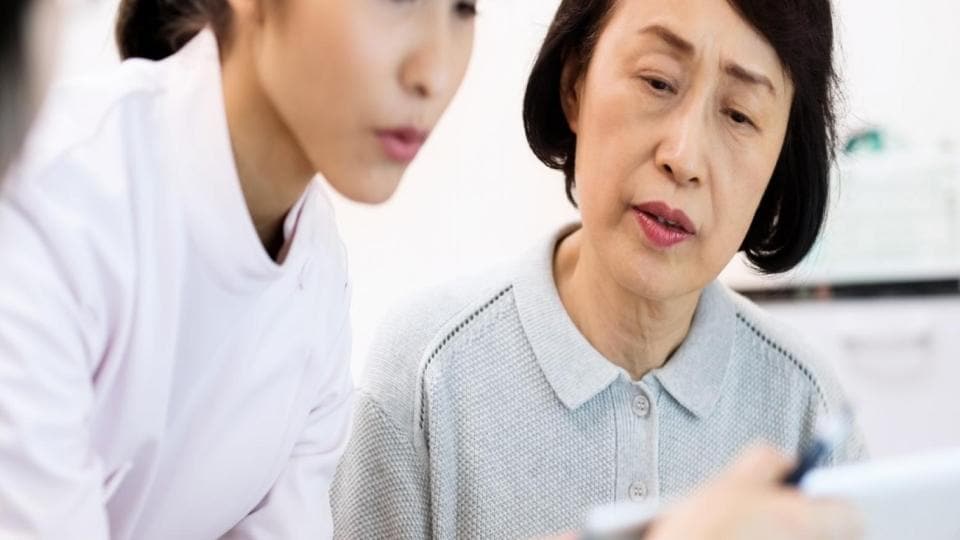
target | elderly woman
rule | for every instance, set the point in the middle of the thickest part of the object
(609, 363)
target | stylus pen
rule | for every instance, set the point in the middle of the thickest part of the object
(829, 435)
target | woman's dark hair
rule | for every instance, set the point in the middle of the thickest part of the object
(155, 29)
(14, 79)
(793, 209)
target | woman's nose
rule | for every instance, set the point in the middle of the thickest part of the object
(426, 71)
(680, 153)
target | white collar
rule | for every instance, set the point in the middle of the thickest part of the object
(203, 165)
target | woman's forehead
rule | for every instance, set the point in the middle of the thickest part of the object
(692, 29)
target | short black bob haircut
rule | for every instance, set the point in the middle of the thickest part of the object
(792, 211)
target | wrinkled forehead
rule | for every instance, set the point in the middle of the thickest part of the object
(694, 30)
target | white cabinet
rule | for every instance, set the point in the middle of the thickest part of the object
(899, 361)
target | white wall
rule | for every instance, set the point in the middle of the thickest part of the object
(476, 196)
(902, 66)
(87, 42)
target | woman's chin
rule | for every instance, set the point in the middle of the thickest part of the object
(655, 281)
(372, 187)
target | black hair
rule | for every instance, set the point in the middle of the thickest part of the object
(14, 79)
(793, 208)
(156, 29)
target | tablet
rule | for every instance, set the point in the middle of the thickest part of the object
(900, 498)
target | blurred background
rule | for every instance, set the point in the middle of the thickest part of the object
(880, 297)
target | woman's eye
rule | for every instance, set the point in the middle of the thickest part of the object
(739, 118)
(462, 8)
(660, 86)
(466, 9)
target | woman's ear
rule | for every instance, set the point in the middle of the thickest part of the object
(571, 86)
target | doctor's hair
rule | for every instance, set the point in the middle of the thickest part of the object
(791, 214)
(14, 79)
(156, 29)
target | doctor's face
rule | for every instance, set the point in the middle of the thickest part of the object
(362, 83)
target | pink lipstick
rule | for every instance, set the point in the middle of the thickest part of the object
(665, 227)
(402, 145)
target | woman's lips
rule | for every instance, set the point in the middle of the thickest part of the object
(664, 226)
(403, 144)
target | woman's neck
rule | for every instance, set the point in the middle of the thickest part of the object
(272, 167)
(634, 333)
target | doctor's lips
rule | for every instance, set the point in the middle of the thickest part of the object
(402, 144)
(664, 226)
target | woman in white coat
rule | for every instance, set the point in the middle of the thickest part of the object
(174, 340)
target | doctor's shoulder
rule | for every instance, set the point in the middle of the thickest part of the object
(83, 136)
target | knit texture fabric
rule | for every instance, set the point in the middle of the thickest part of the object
(486, 414)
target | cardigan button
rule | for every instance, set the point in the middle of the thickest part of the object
(641, 405)
(638, 491)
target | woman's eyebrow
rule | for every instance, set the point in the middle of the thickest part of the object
(743, 74)
(671, 38)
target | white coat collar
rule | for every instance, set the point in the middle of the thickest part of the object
(203, 165)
